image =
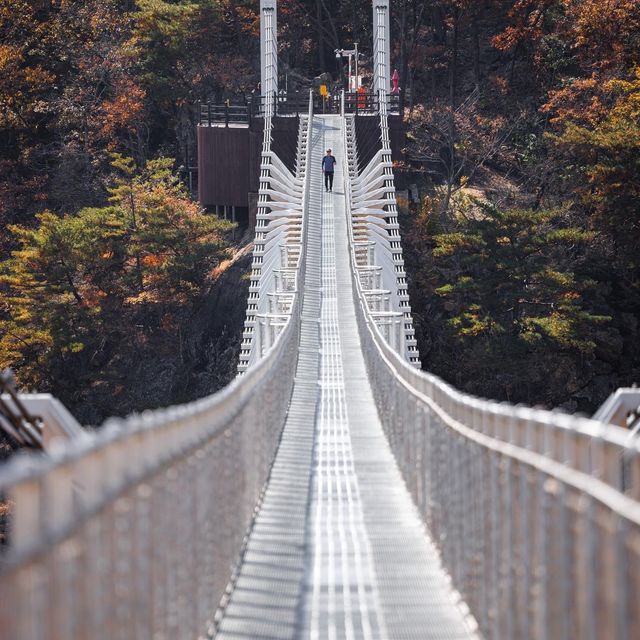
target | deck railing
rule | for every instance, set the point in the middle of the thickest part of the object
(364, 103)
(536, 513)
(227, 113)
(278, 242)
(135, 532)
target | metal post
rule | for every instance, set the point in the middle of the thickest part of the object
(381, 46)
(357, 83)
(268, 47)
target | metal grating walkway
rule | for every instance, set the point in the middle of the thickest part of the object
(337, 549)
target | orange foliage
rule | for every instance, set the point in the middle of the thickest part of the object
(605, 37)
(528, 17)
(250, 20)
(20, 84)
(153, 261)
(606, 31)
(578, 101)
(124, 111)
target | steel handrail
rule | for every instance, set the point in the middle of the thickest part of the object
(525, 505)
(136, 531)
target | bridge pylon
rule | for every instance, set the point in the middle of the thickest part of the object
(268, 50)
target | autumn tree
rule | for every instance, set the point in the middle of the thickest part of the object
(453, 145)
(81, 80)
(82, 287)
(66, 96)
(603, 141)
(511, 294)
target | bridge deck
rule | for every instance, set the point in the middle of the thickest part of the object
(338, 549)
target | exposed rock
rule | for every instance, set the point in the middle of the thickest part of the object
(609, 345)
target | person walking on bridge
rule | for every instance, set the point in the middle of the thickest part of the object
(328, 167)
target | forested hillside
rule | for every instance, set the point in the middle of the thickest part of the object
(524, 118)
(523, 123)
(107, 262)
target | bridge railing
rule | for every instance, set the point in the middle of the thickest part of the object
(366, 103)
(373, 220)
(278, 242)
(283, 104)
(225, 114)
(536, 513)
(134, 533)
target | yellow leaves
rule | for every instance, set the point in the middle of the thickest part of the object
(143, 297)
(20, 85)
(10, 56)
(606, 34)
(560, 279)
(556, 326)
(474, 322)
(38, 76)
(161, 23)
(625, 86)
(611, 123)
(122, 164)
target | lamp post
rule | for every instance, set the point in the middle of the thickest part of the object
(350, 53)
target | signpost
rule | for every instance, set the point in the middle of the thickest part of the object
(353, 82)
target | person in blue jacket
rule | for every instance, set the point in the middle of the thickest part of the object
(328, 167)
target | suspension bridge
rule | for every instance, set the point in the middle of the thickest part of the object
(332, 490)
